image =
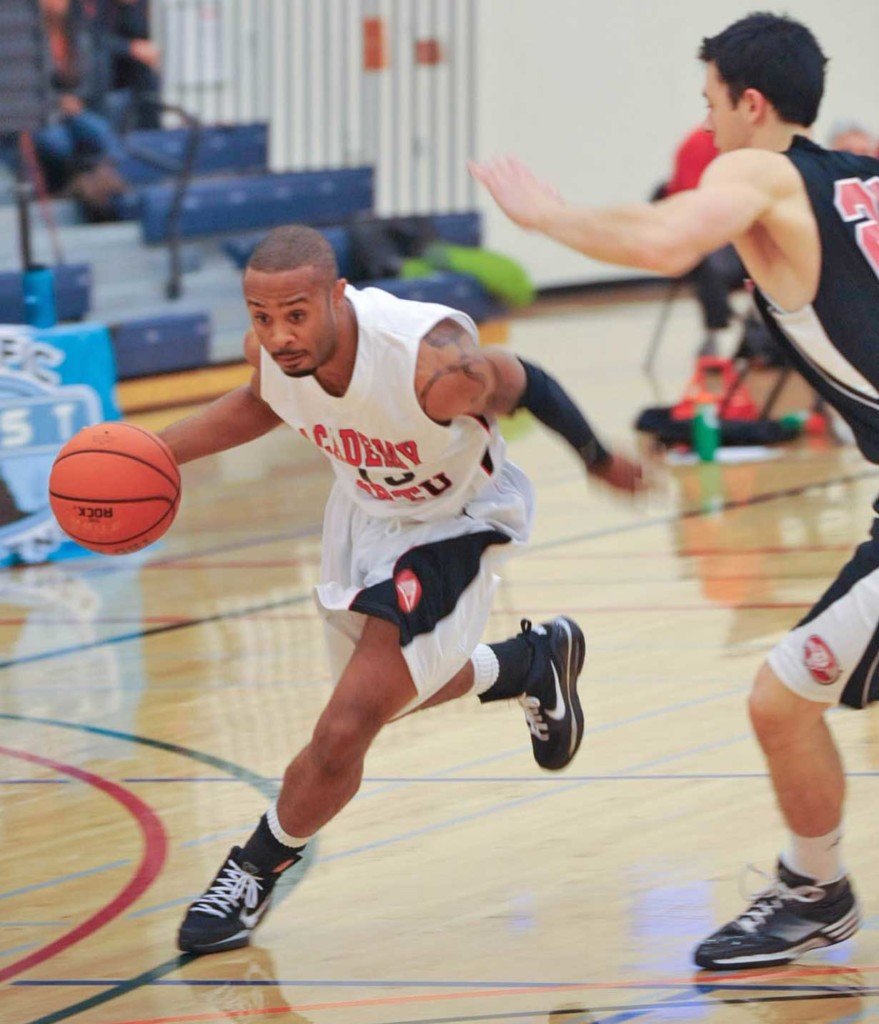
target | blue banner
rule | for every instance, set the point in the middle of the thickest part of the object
(53, 382)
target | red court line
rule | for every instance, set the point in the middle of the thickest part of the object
(698, 978)
(154, 852)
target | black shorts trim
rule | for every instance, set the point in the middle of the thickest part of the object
(437, 574)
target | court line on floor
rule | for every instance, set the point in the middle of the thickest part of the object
(172, 965)
(664, 520)
(260, 783)
(155, 850)
(731, 505)
(145, 634)
(639, 1009)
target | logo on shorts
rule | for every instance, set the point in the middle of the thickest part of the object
(820, 661)
(408, 590)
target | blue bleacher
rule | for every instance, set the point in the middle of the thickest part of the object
(458, 228)
(460, 291)
(450, 289)
(161, 344)
(262, 200)
(73, 292)
(228, 149)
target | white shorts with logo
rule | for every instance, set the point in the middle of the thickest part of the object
(832, 656)
(435, 580)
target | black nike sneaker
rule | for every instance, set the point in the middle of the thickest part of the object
(790, 917)
(550, 702)
(224, 916)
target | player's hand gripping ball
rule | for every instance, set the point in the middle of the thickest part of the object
(114, 488)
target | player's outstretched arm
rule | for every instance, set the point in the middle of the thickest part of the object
(669, 237)
(457, 378)
(233, 419)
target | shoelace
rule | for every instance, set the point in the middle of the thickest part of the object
(768, 901)
(531, 705)
(537, 725)
(230, 886)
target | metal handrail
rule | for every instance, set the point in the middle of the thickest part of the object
(183, 176)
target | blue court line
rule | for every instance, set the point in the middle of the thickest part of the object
(61, 879)
(18, 949)
(34, 782)
(485, 812)
(145, 634)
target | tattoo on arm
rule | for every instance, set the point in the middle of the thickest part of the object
(465, 359)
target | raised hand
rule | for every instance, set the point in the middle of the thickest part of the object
(523, 198)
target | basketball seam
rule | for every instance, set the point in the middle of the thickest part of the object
(111, 501)
(159, 443)
(124, 455)
(88, 541)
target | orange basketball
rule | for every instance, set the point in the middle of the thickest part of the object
(114, 488)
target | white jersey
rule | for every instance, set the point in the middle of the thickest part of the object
(391, 459)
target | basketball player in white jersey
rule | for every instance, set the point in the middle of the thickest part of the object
(805, 222)
(402, 401)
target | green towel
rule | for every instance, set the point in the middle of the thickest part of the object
(499, 275)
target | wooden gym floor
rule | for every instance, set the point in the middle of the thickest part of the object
(149, 704)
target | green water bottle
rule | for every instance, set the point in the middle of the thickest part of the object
(706, 427)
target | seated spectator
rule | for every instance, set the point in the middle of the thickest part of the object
(134, 59)
(77, 149)
(852, 137)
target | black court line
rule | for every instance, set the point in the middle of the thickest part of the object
(733, 505)
(727, 506)
(143, 634)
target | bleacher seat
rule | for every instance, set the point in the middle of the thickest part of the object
(460, 291)
(235, 149)
(73, 293)
(240, 247)
(263, 200)
(160, 344)
(458, 228)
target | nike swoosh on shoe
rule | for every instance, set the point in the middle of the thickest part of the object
(560, 709)
(252, 920)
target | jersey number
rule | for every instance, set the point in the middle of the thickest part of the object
(859, 200)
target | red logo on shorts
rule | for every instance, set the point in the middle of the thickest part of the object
(408, 590)
(820, 661)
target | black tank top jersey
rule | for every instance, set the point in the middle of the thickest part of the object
(834, 342)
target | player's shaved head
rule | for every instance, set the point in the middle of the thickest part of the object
(293, 246)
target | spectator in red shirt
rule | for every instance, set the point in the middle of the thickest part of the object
(721, 271)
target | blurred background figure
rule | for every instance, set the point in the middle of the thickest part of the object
(134, 60)
(853, 137)
(78, 148)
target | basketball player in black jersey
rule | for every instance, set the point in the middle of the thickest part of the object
(805, 222)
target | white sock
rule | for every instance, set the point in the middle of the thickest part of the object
(486, 668)
(817, 857)
(279, 833)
